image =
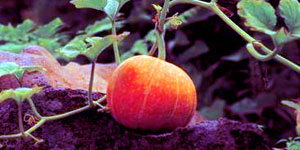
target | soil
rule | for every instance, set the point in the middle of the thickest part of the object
(98, 130)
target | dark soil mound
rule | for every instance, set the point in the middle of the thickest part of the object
(94, 130)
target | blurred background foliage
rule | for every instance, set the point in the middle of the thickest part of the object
(229, 82)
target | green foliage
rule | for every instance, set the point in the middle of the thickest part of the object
(259, 15)
(291, 104)
(98, 44)
(280, 37)
(290, 11)
(191, 15)
(90, 46)
(14, 69)
(291, 143)
(25, 34)
(253, 105)
(100, 26)
(110, 7)
(194, 51)
(215, 111)
(238, 56)
(19, 94)
(175, 22)
(79, 44)
(18, 34)
(139, 47)
(50, 29)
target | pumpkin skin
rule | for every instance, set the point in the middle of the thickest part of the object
(147, 93)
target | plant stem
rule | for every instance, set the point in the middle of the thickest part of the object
(36, 126)
(160, 31)
(20, 118)
(90, 92)
(47, 118)
(67, 114)
(11, 136)
(34, 108)
(250, 39)
(213, 6)
(163, 15)
(115, 44)
(193, 2)
(153, 48)
(259, 56)
(161, 45)
(102, 99)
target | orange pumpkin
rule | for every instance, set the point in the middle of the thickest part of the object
(148, 93)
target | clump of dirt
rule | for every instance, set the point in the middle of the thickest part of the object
(95, 130)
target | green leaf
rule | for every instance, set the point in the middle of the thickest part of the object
(12, 47)
(259, 15)
(193, 15)
(196, 50)
(238, 56)
(94, 47)
(280, 37)
(291, 104)
(14, 69)
(255, 105)
(150, 37)
(26, 26)
(94, 4)
(18, 34)
(215, 111)
(290, 11)
(110, 7)
(19, 94)
(139, 47)
(50, 29)
(98, 44)
(16, 38)
(293, 145)
(73, 48)
(101, 25)
(180, 40)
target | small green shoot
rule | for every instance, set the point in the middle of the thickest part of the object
(19, 94)
(14, 69)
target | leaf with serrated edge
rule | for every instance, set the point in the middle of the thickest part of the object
(48, 30)
(19, 94)
(98, 44)
(259, 15)
(73, 48)
(290, 11)
(101, 25)
(110, 7)
(94, 4)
